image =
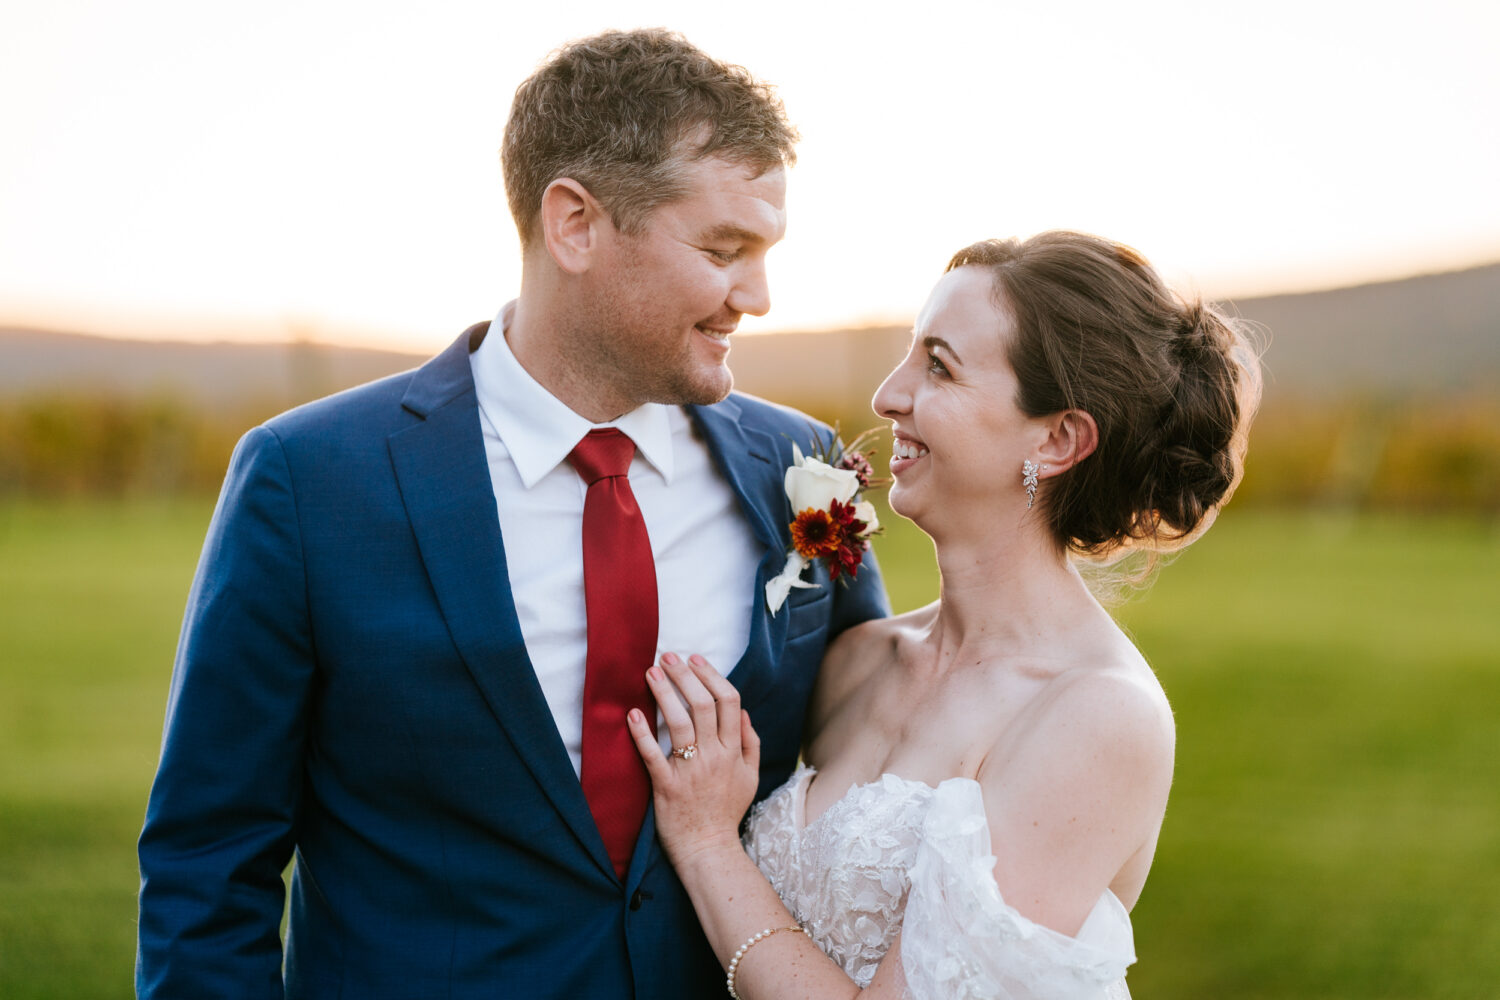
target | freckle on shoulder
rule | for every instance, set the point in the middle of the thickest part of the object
(1125, 704)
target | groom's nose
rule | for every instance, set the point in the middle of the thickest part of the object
(751, 291)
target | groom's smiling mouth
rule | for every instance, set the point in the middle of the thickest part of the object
(718, 334)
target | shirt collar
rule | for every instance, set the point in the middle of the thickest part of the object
(537, 428)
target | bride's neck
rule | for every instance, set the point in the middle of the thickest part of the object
(1004, 593)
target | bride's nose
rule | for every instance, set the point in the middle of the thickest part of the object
(893, 398)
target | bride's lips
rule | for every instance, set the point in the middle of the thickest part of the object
(906, 451)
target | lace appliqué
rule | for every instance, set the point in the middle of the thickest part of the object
(896, 852)
(845, 875)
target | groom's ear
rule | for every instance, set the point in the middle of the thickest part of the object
(1072, 436)
(571, 221)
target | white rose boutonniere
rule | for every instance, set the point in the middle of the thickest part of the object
(832, 523)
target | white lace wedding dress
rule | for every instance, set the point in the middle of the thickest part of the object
(896, 853)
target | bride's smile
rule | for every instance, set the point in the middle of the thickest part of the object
(904, 451)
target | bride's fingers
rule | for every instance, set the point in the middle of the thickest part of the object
(679, 723)
(700, 701)
(726, 700)
(646, 746)
(749, 742)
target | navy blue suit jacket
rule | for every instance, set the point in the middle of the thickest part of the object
(352, 689)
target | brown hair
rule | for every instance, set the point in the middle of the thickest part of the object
(1171, 385)
(620, 112)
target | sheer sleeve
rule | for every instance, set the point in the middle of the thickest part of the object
(960, 941)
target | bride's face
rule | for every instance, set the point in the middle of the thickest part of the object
(960, 438)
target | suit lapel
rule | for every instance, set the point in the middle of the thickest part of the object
(444, 479)
(752, 463)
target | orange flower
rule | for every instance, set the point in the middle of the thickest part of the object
(836, 535)
(816, 534)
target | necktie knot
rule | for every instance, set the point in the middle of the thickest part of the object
(602, 453)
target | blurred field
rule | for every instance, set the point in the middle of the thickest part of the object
(1334, 828)
(91, 595)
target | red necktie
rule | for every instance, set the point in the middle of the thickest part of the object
(619, 587)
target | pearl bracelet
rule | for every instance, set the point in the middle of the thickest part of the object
(734, 963)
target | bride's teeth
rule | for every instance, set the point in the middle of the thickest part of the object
(906, 449)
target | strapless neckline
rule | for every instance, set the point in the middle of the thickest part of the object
(806, 774)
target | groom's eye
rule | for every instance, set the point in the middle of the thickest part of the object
(935, 365)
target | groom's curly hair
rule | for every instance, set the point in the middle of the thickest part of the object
(622, 112)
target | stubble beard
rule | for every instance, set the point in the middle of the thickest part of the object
(642, 357)
(611, 370)
(682, 383)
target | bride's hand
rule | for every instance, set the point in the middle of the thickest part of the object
(701, 797)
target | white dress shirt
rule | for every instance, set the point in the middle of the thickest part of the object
(706, 554)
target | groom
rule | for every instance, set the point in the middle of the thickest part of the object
(425, 605)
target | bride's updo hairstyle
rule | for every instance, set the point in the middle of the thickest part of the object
(1171, 385)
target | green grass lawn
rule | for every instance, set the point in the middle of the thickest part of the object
(1334, 828)
(91, 597)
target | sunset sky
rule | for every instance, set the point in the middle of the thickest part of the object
(328, 168)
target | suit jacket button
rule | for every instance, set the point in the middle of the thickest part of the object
(638, 897)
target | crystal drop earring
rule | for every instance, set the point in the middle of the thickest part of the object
(1029, 472)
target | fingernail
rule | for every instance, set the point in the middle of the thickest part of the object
(698, 660)
(636, 716)
(655, 674)
(669, 658)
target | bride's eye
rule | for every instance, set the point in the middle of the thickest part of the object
(935, 366)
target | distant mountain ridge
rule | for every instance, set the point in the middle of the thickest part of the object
(1435, 331)
(217, 374)
(1419, 334)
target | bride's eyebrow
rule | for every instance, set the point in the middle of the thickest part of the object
(938, 342)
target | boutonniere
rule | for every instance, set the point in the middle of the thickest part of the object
(832, 523)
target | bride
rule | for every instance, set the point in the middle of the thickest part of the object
(984, 778)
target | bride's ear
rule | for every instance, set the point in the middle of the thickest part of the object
(1072, 436)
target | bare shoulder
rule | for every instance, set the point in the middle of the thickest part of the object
(858, 654)
(1104, 723)
(1117, 706)
(1077, 793)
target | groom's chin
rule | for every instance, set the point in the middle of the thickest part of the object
(707, 387)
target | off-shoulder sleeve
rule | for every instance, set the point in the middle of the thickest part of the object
(960, 941)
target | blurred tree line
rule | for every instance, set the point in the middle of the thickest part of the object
(1423, 454)
(57, 445)
(1432, 453)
